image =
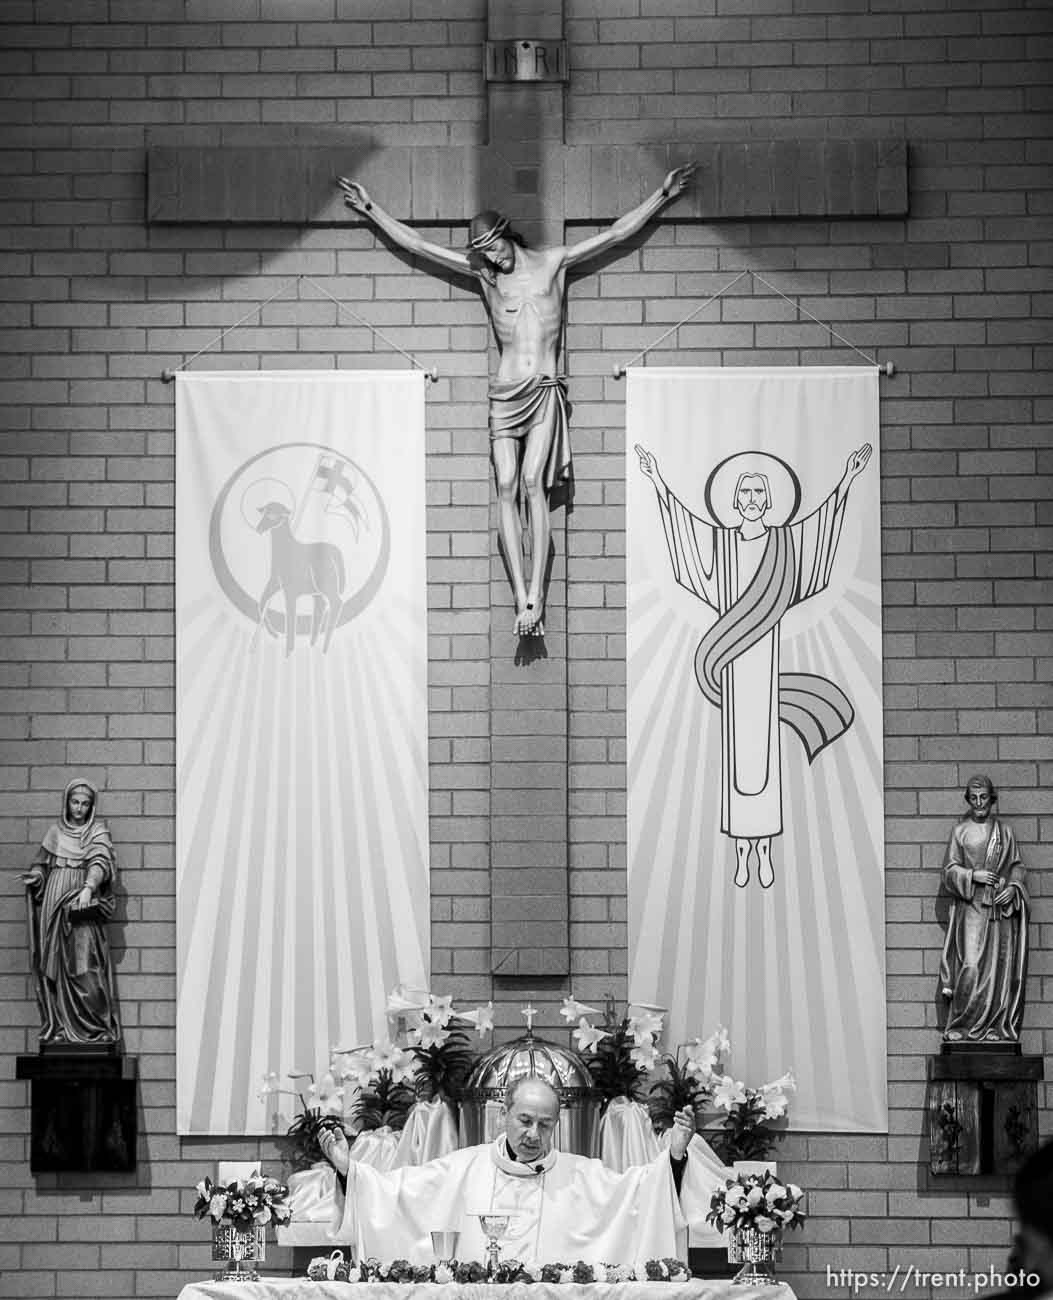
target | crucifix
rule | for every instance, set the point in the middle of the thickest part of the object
(527, 169)
(525, 294)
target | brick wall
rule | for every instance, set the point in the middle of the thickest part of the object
(96, 304)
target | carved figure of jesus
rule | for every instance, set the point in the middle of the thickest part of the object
(525, 294)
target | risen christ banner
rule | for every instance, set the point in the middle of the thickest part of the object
(302, 831)
(756, 848)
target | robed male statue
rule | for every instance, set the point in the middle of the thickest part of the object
(525, 294)
(983, 971)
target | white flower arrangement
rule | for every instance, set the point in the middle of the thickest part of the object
(757, 1201)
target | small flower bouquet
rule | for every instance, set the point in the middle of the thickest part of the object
(757, 1202)
(509, 1271)
(246, 1203)
(667, 1270)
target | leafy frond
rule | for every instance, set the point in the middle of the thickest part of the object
(299, 1146)
(383, 1103)
(614, 1072)
(674, 1090)
(443, 1070)
(745, 1134)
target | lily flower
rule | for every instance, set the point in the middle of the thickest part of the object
(773, 1095)
(586, 1037)
(402, 999)
(482, 1018)
(327, 1095)
(572, 1010)
(728, 1092)
(703, 1054)
(645, 1027)
(358, 1066)
(644, 1054)
(429, 1033)
(269, 1086)
(386, 1056)
(439, 1009)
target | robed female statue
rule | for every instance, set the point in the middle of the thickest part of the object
(69, 889)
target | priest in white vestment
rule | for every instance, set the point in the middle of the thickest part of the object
(562, 1207)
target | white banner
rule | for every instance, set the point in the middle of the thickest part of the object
(302, 813)
(755, 783)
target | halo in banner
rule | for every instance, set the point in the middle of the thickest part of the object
(286, 515)
(783, 485)
(261, 491)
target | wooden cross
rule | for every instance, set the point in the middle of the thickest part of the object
(528, 172)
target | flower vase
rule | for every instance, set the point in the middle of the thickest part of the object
(756, 1251)
(240, 1249)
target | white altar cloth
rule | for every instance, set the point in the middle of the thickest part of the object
(283, 1288)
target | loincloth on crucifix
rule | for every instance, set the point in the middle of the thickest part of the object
(521, 405)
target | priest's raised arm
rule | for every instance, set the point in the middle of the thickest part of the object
(562, 1207)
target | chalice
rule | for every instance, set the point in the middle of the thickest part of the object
(494, 1227)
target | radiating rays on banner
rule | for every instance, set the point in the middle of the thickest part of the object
(791, 958)
(301, 723)
(798, 991)
(300, 748)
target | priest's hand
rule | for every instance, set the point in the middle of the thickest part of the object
(334, 1145)
(682, 1132)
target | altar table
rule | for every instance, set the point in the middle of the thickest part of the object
(284, 1288)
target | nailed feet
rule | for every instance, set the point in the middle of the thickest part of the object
(529, 618)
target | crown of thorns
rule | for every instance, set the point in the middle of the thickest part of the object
(480, 242)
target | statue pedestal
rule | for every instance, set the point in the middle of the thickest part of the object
(983, 1108)
(83, 1109)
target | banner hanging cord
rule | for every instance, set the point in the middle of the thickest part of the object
(432, 373)
(886, 368)
(167, 376)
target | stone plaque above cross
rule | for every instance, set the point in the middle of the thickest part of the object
(527, 172)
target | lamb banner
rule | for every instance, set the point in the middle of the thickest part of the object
(302, 818)
(755, 782)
